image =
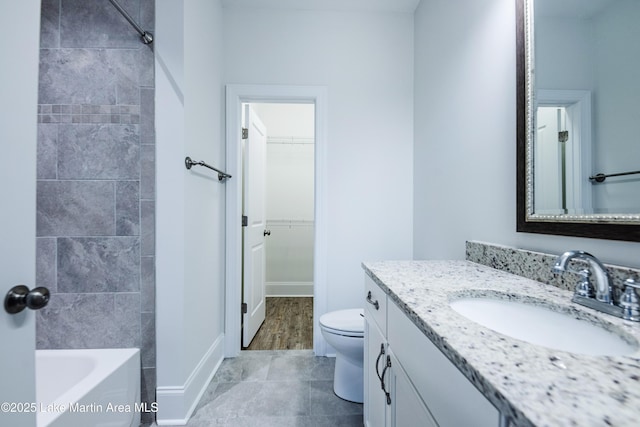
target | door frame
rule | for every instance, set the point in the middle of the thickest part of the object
(236, 95)
(580, 102)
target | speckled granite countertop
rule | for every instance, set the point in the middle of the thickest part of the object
(533, 385)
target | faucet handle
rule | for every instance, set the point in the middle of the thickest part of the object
(584, 288)
(629, 301)
(631, 283)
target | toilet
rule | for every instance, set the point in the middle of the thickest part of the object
(344, 331)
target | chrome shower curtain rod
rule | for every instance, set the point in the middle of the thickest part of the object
(146, 36)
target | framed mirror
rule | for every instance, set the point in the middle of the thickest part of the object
(578, 118)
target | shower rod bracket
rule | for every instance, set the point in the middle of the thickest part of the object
(146, 36)
(222, 176)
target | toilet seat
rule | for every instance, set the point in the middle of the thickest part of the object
(348, 323)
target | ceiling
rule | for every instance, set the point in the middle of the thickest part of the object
(351, 5)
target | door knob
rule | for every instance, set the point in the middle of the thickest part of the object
(266, 233)
(20, 297)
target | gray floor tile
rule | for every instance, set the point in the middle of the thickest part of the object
(275, 388)
(244, 368)
(301, 368)
(325, 402)
(337, 421)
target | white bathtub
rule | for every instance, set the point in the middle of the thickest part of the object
(81, 388)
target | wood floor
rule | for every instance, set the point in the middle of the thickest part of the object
(288, 325)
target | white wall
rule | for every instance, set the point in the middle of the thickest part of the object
(600, 54)
(190, 204)
(365, 61)
(465, 135)
(617, 132)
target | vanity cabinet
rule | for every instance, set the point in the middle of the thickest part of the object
(408, 380)
(375, 353)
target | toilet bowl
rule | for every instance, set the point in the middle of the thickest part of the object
(344, 331)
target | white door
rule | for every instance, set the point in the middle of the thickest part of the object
(548, 163)
(255, 152)
(19, 39)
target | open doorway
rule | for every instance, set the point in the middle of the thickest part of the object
(278, 226)
(297, 226)
(562, 152)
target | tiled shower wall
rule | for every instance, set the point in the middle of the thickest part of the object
(96, 180)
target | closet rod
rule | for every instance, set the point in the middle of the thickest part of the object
(146, 36)
(188, 163)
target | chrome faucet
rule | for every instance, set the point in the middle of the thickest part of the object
(603, 288)
(627, 308)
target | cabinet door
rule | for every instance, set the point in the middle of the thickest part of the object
(407, 408)
(452, 399)
(375, 404)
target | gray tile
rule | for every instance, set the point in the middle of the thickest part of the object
(128, 208)
(127, 66)
(146, 65)
(98, 264)
(73, 208)
(286, 398)
(148, 172)
(98, 24)
(46, 263)
(148, 349)
(147, 116)
(256, 398)
(89, 321)
(325, 402)
(148, 284)
(147, 14)
(301, 367)
(98, 151)
(245, 368)
(148, 224)
(47, 157)
(50, 24)
(208, 396)
(147, 393)
(127, 310)
(337, 421)
(76, 76)
(264, 421)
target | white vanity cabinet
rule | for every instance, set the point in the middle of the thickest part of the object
(424, 388)
(406, 407)
(375, 353)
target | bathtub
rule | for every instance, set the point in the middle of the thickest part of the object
(81, 388)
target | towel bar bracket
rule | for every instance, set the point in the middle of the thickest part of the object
(188, 163)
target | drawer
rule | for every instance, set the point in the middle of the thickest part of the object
(451, 398)
(375, 304)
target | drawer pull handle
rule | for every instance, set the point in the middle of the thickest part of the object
(378, 362)
(372, 302)
(384, 388)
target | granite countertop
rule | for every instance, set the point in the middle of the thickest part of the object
(531, 384)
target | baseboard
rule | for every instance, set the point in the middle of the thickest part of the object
(177, 403)
(289, 289)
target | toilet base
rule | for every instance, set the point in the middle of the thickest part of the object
(348, 379)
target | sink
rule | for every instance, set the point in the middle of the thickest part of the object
(543, 326)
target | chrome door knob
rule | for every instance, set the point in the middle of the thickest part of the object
(20, 297)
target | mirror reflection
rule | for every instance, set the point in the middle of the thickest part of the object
(585, 156)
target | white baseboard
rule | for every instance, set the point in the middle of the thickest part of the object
(177, 403)
(289, 289)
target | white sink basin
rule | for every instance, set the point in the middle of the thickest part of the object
(542, 326)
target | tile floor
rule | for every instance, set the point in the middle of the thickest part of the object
(275, 388)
